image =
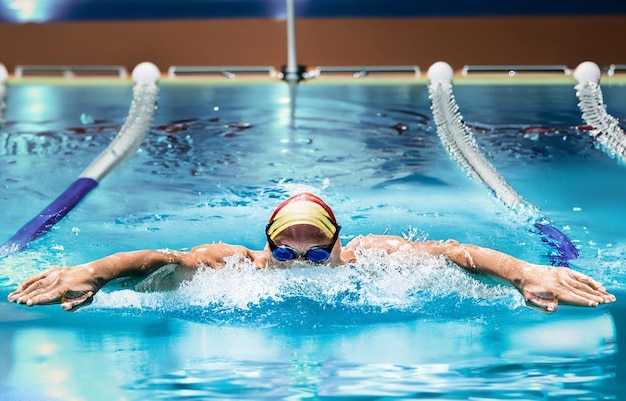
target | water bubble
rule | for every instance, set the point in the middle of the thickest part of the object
(86, 118)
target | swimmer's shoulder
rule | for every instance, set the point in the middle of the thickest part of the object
(388, 243)
(214, 254)
(376, 241)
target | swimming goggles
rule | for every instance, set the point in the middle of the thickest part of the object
(316, 254)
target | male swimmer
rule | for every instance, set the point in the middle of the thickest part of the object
(304, 228)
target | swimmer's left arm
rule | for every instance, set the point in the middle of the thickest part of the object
(542, 286)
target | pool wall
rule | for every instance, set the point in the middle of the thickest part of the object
(421, 41)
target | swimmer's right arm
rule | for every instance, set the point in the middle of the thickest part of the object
(74, 287)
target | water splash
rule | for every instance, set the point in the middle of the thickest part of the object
(378, 286)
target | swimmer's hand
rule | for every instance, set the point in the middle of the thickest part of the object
(545, 287)
(72, 287)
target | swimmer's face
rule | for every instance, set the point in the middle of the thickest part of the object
(305, 243)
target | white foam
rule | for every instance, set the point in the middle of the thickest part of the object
(403, 281)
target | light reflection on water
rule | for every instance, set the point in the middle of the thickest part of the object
(141, 354)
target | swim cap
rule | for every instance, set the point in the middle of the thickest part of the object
(304, 208)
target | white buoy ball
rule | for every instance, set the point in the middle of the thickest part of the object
(146, 71)
(440, 71)
(587, 71)
(4, 74)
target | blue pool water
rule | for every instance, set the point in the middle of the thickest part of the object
(221, 157)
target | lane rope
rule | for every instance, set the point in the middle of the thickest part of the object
(124, 146)
(606, 130)
(458, 140)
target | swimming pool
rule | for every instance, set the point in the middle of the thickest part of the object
(219, 159)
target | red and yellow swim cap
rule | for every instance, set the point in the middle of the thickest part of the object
(304, 208)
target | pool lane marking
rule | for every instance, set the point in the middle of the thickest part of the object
(605, 128)
(461, 145)
(124, 146)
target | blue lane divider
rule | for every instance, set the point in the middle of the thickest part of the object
(48, 217)
(123, 146)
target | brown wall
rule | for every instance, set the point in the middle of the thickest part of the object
(459, 41)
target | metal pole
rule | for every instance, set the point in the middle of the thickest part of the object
(291, 72)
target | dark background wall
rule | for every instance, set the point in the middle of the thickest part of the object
(337, 32)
